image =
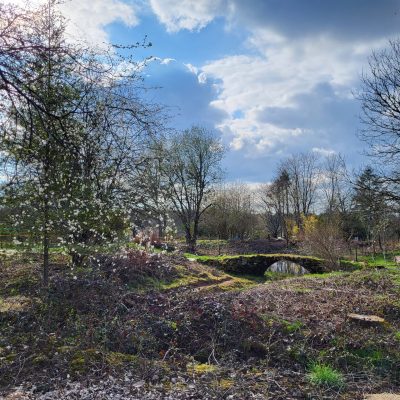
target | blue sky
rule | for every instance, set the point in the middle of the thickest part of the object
(271, 77)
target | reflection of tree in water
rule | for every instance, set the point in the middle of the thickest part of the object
(288, 267)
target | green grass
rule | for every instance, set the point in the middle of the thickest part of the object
(277, 276)
(324, 275)
(386, 260)
(374, 356)
(292, 327)
(324, 375)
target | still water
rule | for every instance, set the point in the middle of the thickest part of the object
(288, 267)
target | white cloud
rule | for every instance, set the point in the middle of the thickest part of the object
(163, 61)
(186, 14)
(166, 61)
(324, 152)
(282, 66)
(281, 70)
(91, 17)
(194, 70)
(87, 19)
(201, 76)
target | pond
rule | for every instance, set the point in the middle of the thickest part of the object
(287, 267)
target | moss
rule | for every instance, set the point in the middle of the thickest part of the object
(223, 384)
(10, 357)
(40, 360)
(14, 303)
(351, 265)
(230, 282)
(201, 369)
(64, 349)
(186, 279)
(84, 359)
(173, 325)
(397, 335)
(257, 264)
(288, 326)
(118, 359)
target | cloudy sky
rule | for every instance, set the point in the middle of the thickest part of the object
(272, 77)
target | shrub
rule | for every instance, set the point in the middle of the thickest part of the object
(324, 238)
(324, 375)
(133, 266)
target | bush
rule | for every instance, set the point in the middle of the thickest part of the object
(324, 238)
(135, 265)
(324, 375)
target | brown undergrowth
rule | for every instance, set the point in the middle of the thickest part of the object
(186, 330)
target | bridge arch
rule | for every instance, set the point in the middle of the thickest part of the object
(258, 264)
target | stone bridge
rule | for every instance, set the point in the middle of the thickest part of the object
(258, 264)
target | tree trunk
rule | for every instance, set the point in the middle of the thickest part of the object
(46, 245)
(45, 260)
(191, 240)
(380, 243)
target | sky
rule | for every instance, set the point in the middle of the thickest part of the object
(270, 77)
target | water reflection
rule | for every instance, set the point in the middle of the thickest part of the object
(288, 267)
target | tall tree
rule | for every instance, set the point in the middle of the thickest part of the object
(274, 199)
(380, 100)
(192, 168)
(73, 132)
(303, 171)
(371, 206)
(335, 184)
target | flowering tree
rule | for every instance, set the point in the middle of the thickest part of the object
(73, 132)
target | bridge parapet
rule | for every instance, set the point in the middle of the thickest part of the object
(257, 264)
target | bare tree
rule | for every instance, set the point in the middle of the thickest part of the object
(232, 214)
(274, 199)
(303, 171)
(380, 100)
(192, 168)
(335, 184)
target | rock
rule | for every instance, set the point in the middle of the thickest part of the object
(17, 395)
(383, 396)
(139, 384)
(366, 319)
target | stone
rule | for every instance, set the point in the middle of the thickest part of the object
(383, 396)
(366, 319)
(17, 395)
